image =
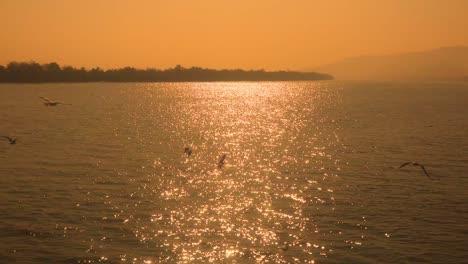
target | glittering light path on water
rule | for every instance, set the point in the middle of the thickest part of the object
(262, 204)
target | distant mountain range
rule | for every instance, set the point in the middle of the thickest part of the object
(448, 63)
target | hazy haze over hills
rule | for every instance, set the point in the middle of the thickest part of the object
(448, 63)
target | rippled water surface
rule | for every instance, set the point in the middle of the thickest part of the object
(310, 176)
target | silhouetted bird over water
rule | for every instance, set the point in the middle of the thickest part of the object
(48, 102)
(221, 161)
(188, 151)
(416, 164)
(11, 140)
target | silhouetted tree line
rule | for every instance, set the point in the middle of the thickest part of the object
(52, 72)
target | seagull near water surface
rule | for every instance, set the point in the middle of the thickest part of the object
(419, 165)
(11, 140)
(188, 151)
(221, 161)
(49, 102)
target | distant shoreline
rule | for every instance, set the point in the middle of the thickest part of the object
(201, 81)
(32, 72)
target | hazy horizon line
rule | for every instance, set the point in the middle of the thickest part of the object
(388, 54)
(63, 65)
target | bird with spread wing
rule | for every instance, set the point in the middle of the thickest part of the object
(419, 165)
(48, 102)
(11, 140)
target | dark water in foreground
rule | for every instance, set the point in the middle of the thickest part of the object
(310, 177)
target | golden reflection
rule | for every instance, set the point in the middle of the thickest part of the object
(270, 202)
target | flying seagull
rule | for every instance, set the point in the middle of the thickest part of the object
(12, 140)
(48, 102)
(416, 164)
(221, 161)
(188, 151)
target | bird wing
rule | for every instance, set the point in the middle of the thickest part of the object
(425, 171)
(9, 138)
(404, 164)
(45, 99)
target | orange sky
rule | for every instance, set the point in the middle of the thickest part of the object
(269, 34)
